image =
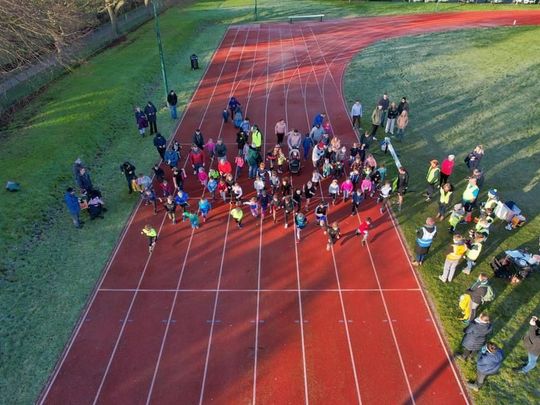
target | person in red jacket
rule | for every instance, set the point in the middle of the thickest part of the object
(196, 158)
(224, 167)
(447, 166)
(363, 229)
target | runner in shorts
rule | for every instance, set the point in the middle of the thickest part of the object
(321, 212)
(333, 234)
(363, 229)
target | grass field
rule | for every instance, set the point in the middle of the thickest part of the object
(47, 268)
(468, 88)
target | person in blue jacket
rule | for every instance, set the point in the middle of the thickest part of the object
(74, 208)
(181, 200)
(318, 120)
(489, 362)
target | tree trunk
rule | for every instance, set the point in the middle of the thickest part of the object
(114, 20)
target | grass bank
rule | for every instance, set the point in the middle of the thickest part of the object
(468, 88)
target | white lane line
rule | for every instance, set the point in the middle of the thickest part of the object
(244, 290)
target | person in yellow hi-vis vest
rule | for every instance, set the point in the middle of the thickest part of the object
(433, 177)
(256, 137)
(151, 234)
(473, 252)
(237, 214)
(457, 250)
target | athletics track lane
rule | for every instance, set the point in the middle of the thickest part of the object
(132, 344)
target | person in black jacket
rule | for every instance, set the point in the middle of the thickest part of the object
(531, 342)
(402, 184)
(221, 149)
(161, 144)
(198, 139)
(129, 171)
(150, 111)
(475, 336)
(172, 100)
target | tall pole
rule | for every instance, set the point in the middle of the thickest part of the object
(161, 59)
(256, 14)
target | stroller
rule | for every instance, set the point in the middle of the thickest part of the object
(294, 161)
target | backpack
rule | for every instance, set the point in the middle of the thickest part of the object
(490, 295)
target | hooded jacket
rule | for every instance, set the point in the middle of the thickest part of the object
(476, 335)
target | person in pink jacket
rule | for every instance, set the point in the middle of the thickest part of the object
(366, 186)
(447, 166)
(346, 189)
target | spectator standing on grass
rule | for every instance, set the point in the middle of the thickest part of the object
(475, 336)
(478, 174)
(356, 114)
(76, 169)
(403, 105)
(150, 111)
(280, 130)
(432, 178)
(129, 171)
(172, 101)
(445, 194)
(84, 181)
(365, 142)
(141, 120)
(73, 206)
(198, 139)
(455, 253)
(161, 144)
(384, 102)
(401, 185)
(474, 157)
(473, 252)
(469, 198)
(402, 122)
(447, 167)
(376, 119)
(391, 121)
(489, 363)
(531, 342)
(478, 293)
(424, 239)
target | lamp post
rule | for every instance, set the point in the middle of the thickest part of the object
(256, 15)
(161, 59)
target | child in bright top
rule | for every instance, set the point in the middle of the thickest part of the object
(151, 234)
(202, 176)
(210, 147)
(182, 199)
(237, 214)
(347, 188)
(363, 229)
(224, 167)
(333, 190)
(280, 160)
(204, 208)
(366, 186)
(212, 187)
(316, 178)
(193, 219)
(456, 252)
(300, 221)
(327, 168)
(384, 195)
(456, 216)
(222, 190)
(253, 205)
(239, 162)
(258, 185)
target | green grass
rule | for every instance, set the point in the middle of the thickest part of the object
(47, 268)
(468, 88)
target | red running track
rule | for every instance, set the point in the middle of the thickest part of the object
(242, 316)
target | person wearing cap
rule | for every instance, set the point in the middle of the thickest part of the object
(489, 363)
(447, 166)
(424, 238)
(432, 178)
(492, 200)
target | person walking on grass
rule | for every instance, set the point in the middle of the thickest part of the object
(363, 230)
(402, 122)
(447, 167)
(475, 336)
(356, 114)
(456, 251)
(469, 198)
(150, 111)
(531, 342)
(172, 101)
(424, 239)
(432, 178)
(160, 144)
(73, 206)
(300, 222)
(489, 363)
(474, 157)
(333, 233)
(376, 119)
(237, 214)
(151, 234)
(477, 294)
(204, 208)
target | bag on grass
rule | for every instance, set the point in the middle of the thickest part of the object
(13, 186)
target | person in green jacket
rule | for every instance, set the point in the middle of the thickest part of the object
(237, 214)
(432, 178)
(151, 234)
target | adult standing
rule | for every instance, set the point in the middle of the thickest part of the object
(477, 292)
(256, 137)
(475, 336)
(402, 184)
(402, 122)
(196, 158)
(294, 140)
(73, 206)
(172, 101)
(391, 121)
(469, 198)
(150, 111)
(129, 171)
(253, 158)
(356, 114)
(198, 139)
(432, 178)
(489, 362)
(233, 105)
(403, 105)
(84, 181)
(140, 119)
(161, 144)
(384, 102)
(376, 119)
(474, 157)
(280, 130)
(447, 167)
(316, 134)
(241, 140)
(531, 342)
(221, 149)
(424, 239)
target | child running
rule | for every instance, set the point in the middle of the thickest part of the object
(316, 178)
(288, 208)
(237, 214)
(363, 229)
(170, 208)
(151, 234)
(275, 205)
(253, 206)
(384, 195)
(333, 234)
(212, 187)
(193, 218)
(347, 188)
(309, 192)
(333, 190)
(300, 221)
(321, 211)
(204, 208)
(264, 201)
